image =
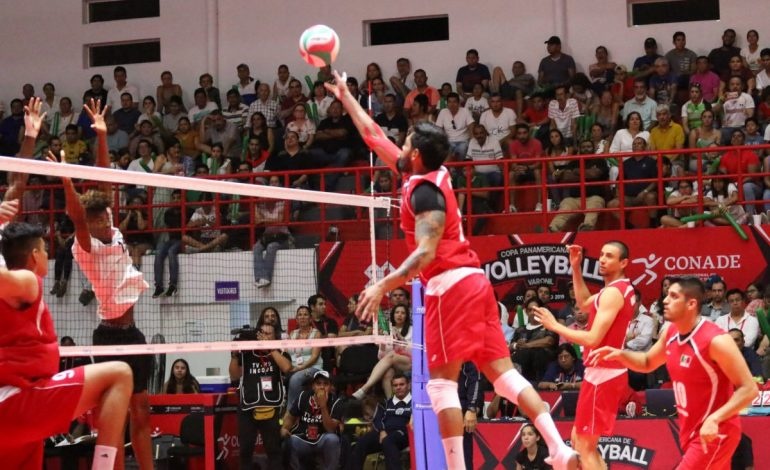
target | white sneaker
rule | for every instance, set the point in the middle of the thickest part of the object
(538, 207)
(262, 283)
(512, 209)
(565, 459)
(631, 409)
(359, 394)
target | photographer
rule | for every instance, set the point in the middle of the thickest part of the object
(261, 396)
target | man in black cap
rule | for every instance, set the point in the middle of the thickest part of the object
(644, 65)
(311, 425)
(556, 68)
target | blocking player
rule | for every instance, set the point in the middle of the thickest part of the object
(712, 382)
(441, 255)
(35, 400)
(102, 255)
(609, 313)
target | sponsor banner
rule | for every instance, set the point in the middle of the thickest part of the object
(514, 263)
(227, 291)
(642, 443)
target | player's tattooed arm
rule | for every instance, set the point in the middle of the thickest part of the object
(429, 227)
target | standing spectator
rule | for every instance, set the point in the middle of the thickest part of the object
(556, 68)
(738, 318)
(115, 94)
(273, 214)
(169, 249)
(64, 239)
(681, 61)
(471, 74)
(640, 103)
(389, 433)
(708, 80)
(458, 123)
(563, 113)
(261, 393)
(310, 426)
(644, 65)
(720, 56)
(180, 380)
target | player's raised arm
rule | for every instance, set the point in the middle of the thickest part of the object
(33, 122)
(92, 108)
(8, 210)
(646, 361)
(372, 134)
(582, 294)
(74, 207)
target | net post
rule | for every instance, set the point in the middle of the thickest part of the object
(427, 443)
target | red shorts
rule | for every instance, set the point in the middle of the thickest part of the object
(29, 415)
(462, 322)
(720, 451)
(597, 405)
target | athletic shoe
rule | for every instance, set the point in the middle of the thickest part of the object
(512, 209)
(359, 394)
(262, 283)
(158, 292)
(55, 289)
(631, 409)
(565, 459)
(538, 207)
(171, 291)
(62, 288)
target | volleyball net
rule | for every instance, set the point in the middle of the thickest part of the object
(202, 232)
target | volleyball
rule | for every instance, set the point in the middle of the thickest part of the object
(319, 45)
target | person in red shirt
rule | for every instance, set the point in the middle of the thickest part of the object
(441, 255)
(524, 146)
(609, 313)
(711, 381)
(743, 162)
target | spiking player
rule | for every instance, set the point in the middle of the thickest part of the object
(441, 255)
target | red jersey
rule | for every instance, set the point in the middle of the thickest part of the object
(616, 335)
(454, 250)
(28, 347)
(700, 386)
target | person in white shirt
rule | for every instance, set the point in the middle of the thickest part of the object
(121, 86)
(481, 148)
(458, 123)
(203, 107)
(498, 120)
(736, 107)
(563, 113)
(738, 318)
(477, 103)
(763, 77)
(639, 331)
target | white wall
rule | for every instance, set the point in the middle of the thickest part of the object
(43, 40)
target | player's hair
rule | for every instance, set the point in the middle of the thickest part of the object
(311, 301)
(18, 241)
(692, 288)
(621, 246)
(432, 143)
(95, 202)
(735, 291)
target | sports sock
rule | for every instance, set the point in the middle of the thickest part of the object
(544, 424)
(104, 457)
(453, 451)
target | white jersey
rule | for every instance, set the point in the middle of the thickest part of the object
(116, 282)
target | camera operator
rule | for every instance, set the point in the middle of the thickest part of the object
(261, 396)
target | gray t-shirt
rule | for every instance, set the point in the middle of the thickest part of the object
(681, 62)
(556, 71)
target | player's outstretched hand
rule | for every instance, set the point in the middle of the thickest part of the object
(603, 354)
(575, 255)
(709, 431)
(340, 85)
(8, 210)
(544, 316)
(369, 303)
(33, 119)
(92, 108)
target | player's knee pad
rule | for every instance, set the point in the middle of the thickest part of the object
(443, 394)
(510, 384)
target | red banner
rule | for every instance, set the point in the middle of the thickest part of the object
(636, 443)
(515, 262)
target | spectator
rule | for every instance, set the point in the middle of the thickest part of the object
(150, 113)
(206, 82)
(71, 362)
(521, 84)
(754, 292)
(681, 61)
(263, 138)
(169, 249)
(483, 149)
(642, 104)
(718, 306)
(421, 87)
(606, 114)
(708, 80)
(333, 145)
(751, 53)
(477, 103)
(580, 323)
(595, 169)
(292, 158)
(471, 403)
(373, 71)
(499, 121)
(126, 115)
(260, 374)
(304, 361)
(720, 56)
(304, 127)
(764, 343)
(294, 98)
(180, 380)
(351, 325)
(622, 88)
(471, 74)
(392, 359)
(743, 164)
(566, 315)
(133, 224)
(393, 123)
(736, 107)
(533, 346)
(580, 89)
(319, 102)
(97, 91)
(763, 77)
(275, 237)
(187, 137)
(692, 109)
(524, 146)
(209, 238)
(146, 134)
(402, 82)
(202, 108)
(246, 84)
(662, 83)
(64, 238)
(704, 137)
(639, 167)
(563, 113)
(75, 150)
(736, 68)
(566, 372)
(644, 66)
(738, 318)
(558, 148)
(215, 129)
(62, 118)
(683, 196)
(281, 83)
(602, 72)
(458, 123)
(639, 334)
(117, 138)
(115, 94)
(166, 91)
(325, 325)
(235, 112)
(556, 68)
(748, 353)
(534, 452)
(389, 433)
(311, 425)
(480, 201)
(266, 105)
(420, 111)
(668, 135)
(270, 316)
